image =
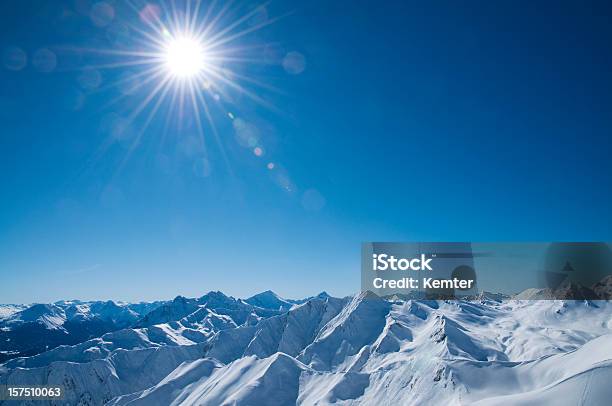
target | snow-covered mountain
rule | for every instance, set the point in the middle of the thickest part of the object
(7, 310)
(29, 330)
(269, 300)
(361, 350)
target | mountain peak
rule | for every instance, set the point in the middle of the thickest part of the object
(269, 300)
(267, 293)
(179, 299)
(216, 294)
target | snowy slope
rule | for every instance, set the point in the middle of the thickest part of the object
(7, 310)
(50, 316)
(360, 351)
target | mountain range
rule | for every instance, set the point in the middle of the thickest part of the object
(358, 350)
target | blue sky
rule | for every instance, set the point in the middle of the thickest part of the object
(403, 121)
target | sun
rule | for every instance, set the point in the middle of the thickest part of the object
(185, 61)
(184, 57)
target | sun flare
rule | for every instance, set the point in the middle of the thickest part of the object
(184, 57)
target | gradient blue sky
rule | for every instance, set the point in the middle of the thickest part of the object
(434, 121)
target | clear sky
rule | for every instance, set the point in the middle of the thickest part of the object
(384, 121)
